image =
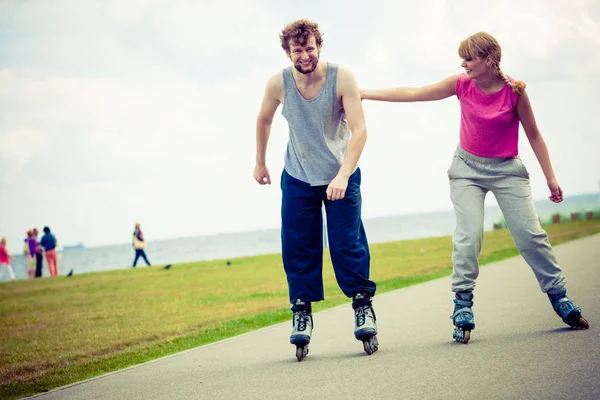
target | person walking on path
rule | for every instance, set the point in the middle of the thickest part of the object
(5, 259)
(139, 244)
(321, 103)
(49, 243)
(486, 159)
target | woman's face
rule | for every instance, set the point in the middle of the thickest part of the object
(475, 67)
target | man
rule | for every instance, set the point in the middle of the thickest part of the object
(322, 105)
(48, 242)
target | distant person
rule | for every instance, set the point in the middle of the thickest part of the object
(327, 134)
(49, 244)
(31, 255)
(26, 253)
(39, 255)
(5, 259)
(139, 244)
(486, 159)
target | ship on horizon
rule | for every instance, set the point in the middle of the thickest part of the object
(78, 245)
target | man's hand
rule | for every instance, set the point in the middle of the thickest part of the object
(556, 193)
(261, 174)
(337, 188)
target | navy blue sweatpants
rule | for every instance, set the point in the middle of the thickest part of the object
(302, 239)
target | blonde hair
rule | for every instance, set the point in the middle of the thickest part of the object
(3, 240)
(482, 45)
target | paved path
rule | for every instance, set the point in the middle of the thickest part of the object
(519, 350)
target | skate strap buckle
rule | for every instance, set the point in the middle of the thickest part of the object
(463, 302)
(461, 310)
(561, 300)
(564, 305)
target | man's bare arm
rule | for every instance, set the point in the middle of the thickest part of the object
(356, 121)
(350, 97)
(273, 97)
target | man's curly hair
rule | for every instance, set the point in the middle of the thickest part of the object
(299, 32)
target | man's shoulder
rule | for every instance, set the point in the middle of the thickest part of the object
(275, 86)
(340, 68)
(345, 77)
(276, 80)
(278, 76)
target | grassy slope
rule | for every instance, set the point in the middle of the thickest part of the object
(59, 331)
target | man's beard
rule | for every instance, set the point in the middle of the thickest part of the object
(310, 68)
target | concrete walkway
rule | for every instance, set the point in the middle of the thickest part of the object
(519, 350)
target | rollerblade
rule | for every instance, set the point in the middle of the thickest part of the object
(365, 328)
(302, 327)
(570, 314)
(463, 317)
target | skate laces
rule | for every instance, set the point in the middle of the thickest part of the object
(302, 318)
(360, 316)
(362, 313)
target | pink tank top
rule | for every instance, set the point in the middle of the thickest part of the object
(4, 257)
(489, 124)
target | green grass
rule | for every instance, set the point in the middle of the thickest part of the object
(57, 331)
(563, 217)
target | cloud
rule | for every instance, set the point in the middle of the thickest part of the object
(113, 111)
(17, 147)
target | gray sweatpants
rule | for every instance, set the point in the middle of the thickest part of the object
(471, 177)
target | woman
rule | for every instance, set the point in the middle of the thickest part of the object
(492, 106)
(139, 244)
(5, 259)
(31, 254)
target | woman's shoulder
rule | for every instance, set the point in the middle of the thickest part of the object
(462, 84)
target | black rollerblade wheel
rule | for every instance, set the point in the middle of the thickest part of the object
(461, 335)
(576, 321)
(581, 323)
(301, 352)
(371, 345)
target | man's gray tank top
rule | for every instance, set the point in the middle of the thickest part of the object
(319, 132)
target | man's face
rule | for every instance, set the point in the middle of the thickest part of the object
(305, 58)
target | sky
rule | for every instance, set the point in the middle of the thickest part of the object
(113, 112)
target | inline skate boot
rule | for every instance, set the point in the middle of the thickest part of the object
(462, 318)
(365, 327)
(302, 322)
(567, 311)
